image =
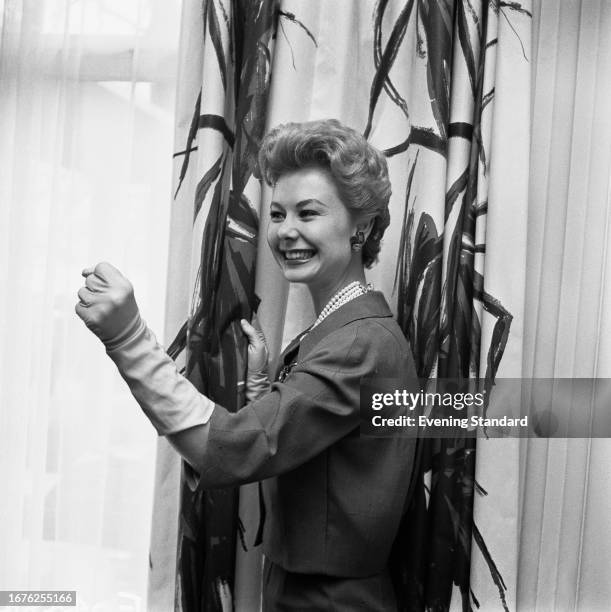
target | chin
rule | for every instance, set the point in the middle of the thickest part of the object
(296, 276)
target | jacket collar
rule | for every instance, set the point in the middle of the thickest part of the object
(370, 304)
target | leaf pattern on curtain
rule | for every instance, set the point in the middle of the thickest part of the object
(441, 290)
(240, 35)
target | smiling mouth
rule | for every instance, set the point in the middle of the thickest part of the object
(298, 255)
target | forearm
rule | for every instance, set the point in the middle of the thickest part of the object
(108, 307)
(168, 399)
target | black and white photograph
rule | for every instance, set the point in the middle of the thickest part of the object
(305, 305)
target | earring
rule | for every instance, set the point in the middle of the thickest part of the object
(357, 242)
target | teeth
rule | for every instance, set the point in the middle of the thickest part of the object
(298, 254)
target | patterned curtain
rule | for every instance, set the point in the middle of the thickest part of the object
(421, 79)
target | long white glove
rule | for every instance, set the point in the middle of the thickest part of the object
(108, 307)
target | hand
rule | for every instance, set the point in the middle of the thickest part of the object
(107, 304)
(257, 347)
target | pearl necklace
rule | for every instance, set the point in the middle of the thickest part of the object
(343, 296)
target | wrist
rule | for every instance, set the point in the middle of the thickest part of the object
(134, 328)
(257, 384)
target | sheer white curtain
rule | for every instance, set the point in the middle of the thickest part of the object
(86, 118)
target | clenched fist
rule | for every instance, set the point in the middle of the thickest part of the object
(107, 304)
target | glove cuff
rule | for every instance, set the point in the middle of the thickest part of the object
(133, 328)
(257, 383)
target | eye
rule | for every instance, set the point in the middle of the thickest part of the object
(276, 215)
(308, 212)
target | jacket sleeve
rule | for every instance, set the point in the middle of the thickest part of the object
(317, 404)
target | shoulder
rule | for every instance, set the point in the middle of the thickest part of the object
(382, 339)
(371, 345)
(381, 331)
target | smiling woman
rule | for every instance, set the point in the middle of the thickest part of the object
(334, 499)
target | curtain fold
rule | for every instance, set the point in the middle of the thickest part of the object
(420, 79)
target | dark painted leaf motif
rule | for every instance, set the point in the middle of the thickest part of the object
(418, 282)
(488, 98)
(291, 17)
(424, 137)
(178, 345)
(378, 59)
(435, 22)
(513, 6)
(211, 20)
(437, 18)
(500, 333)
(192, 135)
(496, 575)
(466, 45)
(218, 123)
(204, 185)
(385, 62)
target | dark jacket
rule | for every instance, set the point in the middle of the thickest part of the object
(334, 499)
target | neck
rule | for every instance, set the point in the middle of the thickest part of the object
(322, 295)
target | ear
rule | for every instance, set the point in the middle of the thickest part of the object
(365, 226)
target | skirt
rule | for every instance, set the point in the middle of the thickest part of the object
(287, 591)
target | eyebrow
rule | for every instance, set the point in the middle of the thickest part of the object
(302, 203)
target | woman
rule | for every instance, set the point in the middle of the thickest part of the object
(334, 499)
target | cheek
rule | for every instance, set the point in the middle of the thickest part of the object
(271, 235)
(343, 233)
(345, 226)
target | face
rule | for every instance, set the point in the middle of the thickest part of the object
(309, 230)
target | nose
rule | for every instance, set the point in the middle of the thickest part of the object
(287, 230)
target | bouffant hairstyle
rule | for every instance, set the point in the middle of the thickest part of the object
(359, 170)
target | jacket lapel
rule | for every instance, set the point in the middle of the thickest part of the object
(370, 304)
